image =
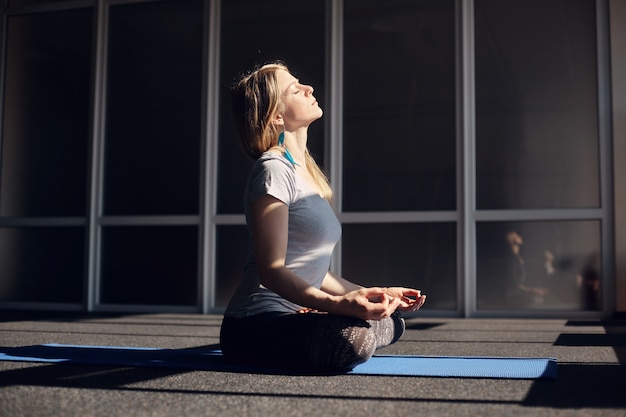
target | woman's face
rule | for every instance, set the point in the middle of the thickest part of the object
(298, 105)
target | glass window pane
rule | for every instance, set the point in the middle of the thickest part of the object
(46, 114)
(539, 265)
(232, 246)
(153, 120)
(150, 265)
(399, 105)
(418, 255)
(42, 264)
(255, 32)
(536, 98)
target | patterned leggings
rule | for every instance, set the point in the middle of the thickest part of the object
(308, 342)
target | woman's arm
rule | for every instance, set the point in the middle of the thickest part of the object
(269, 218)
(410, 299)
(336, 285)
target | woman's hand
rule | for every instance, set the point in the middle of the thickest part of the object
(367, 303)
(410, 299)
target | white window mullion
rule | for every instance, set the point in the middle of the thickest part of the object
(207, 245)
(467, 226)
(605, 163)
(97, 156)
(334, 146)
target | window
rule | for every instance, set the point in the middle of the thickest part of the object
(153, 119)
(399, 146)
(414, 255)
(254, 33)
(454, 133)
(536, 105)
(45, 143)
(150, 265)
(152, 154)
(45, 137)
(399, 139)
(42, 264)
(539, 265)
(537, 147)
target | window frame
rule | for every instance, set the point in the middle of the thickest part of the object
(466, 216)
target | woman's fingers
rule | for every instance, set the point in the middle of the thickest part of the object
(380, 303)
(375, 303)
(410, 304)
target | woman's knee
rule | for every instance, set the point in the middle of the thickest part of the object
(342, 346)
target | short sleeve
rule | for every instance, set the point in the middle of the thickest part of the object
(272, 175)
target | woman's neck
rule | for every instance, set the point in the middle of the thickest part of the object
(296, 143)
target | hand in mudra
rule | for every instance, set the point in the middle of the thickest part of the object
(376, 303)
(410, 299)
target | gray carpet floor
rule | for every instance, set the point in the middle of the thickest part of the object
(591, 372)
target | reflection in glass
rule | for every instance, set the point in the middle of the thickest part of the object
(539, 265)
(536, 104)
(45, 134)
(230, 258)
(153, 119)
(255, 32)
(155, 265)
(42, 264)
(416, 255)
(399, 105)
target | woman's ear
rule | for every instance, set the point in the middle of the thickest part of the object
(278, 120)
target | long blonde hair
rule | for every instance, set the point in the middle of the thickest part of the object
(256, 98)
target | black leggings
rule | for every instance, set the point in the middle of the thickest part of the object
(306, 342)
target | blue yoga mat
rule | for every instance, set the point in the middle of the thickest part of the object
(212, 360)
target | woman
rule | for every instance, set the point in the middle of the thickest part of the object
(290, 311)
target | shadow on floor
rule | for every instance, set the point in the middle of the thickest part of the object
(581, 386)
(577, 385)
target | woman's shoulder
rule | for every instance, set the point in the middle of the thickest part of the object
(272, 161)
(271, 164)
(272, 174)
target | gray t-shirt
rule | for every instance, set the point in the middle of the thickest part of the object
(313, 233)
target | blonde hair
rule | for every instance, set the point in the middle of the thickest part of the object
(256, 99)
